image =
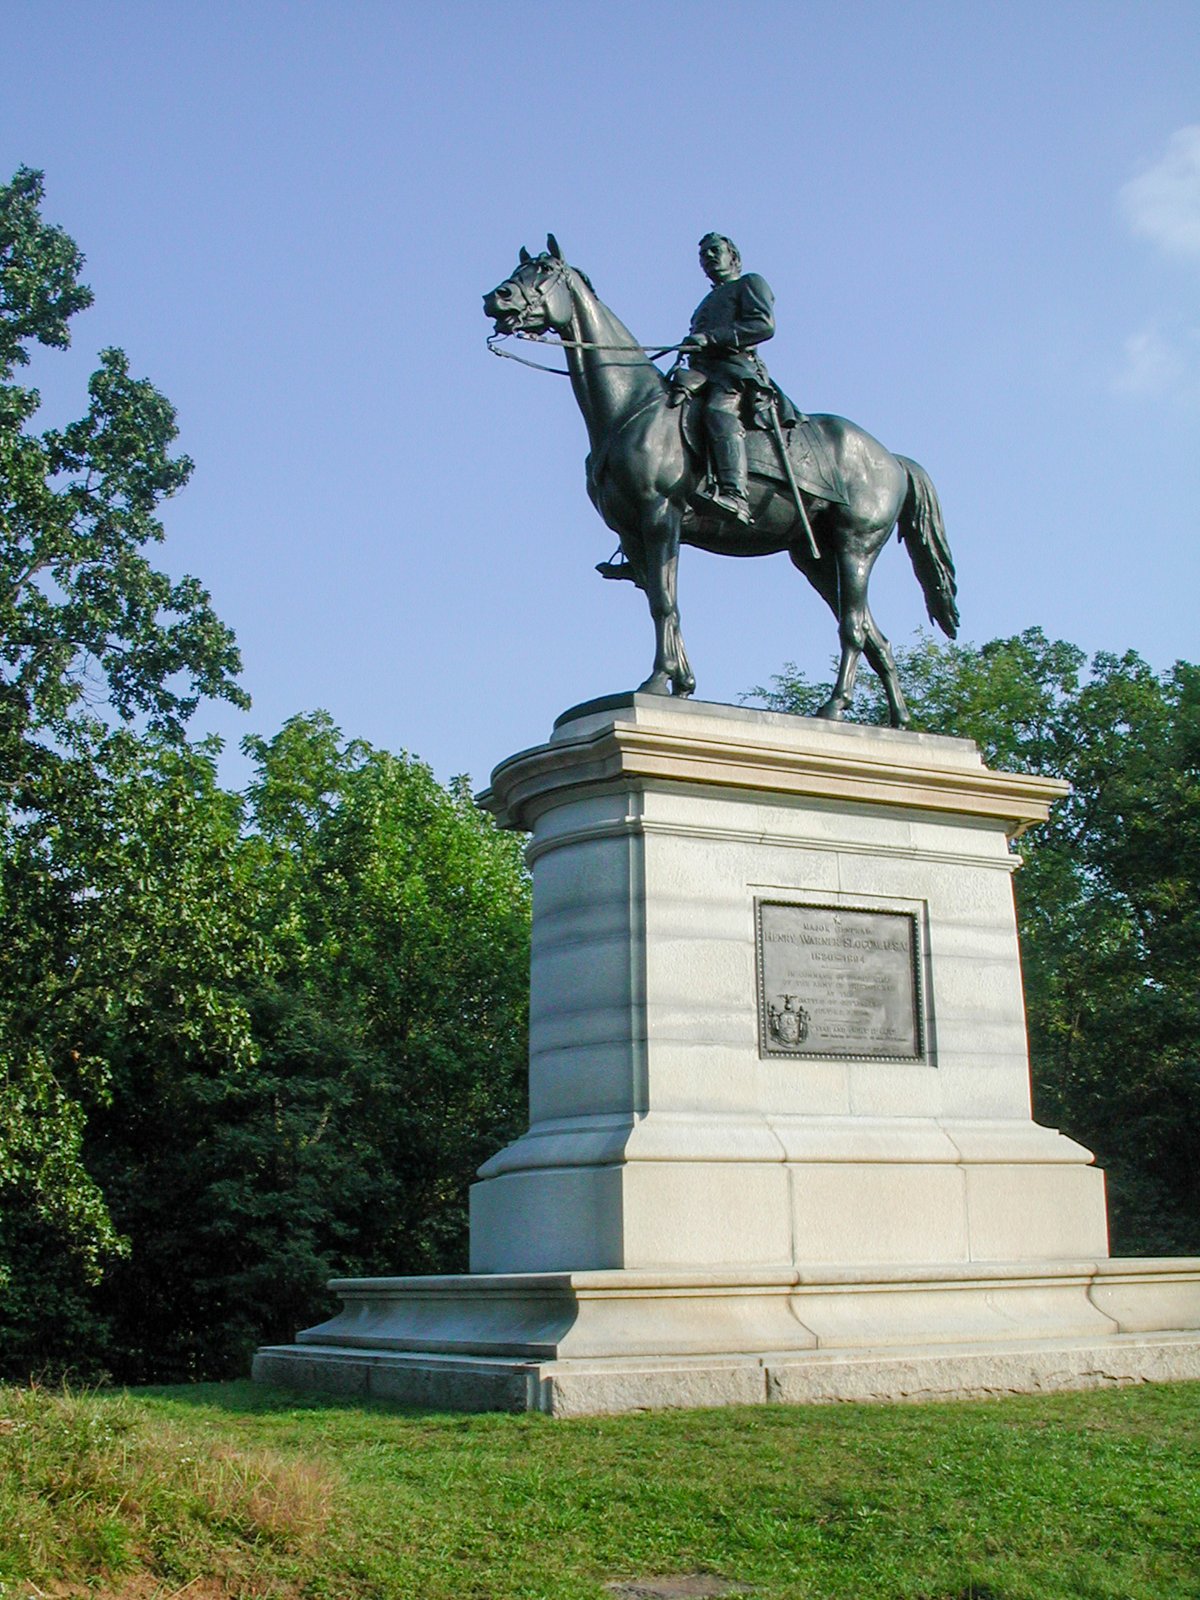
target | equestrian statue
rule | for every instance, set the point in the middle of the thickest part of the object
(713, 454)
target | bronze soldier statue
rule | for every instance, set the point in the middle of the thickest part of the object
(736, 316)
(643, 473)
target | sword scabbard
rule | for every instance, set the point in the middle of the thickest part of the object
(786, 462)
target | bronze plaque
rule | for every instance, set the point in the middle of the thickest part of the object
(838, 981)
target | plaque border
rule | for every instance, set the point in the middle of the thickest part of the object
(920, 1058)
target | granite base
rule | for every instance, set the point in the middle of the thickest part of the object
(573, 1344)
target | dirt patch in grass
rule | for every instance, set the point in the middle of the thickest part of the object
(137, 1587)
(140, 1586)
(689, 1586)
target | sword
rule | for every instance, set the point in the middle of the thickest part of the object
(791, 477)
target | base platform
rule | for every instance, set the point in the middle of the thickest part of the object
(574, 1344)
(781, 1145)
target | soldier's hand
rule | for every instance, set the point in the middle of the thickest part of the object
(694, 341)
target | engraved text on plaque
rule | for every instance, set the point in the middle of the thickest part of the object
(836, 981)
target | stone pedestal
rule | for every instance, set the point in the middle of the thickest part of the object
(780, 1139)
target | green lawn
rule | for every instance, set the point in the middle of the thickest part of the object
(229, 1489)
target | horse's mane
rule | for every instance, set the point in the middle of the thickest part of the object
(578, 271)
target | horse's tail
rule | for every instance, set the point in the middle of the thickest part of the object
(920, 527)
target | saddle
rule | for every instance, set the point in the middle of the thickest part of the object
(812, 463)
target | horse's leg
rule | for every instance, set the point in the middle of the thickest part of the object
(660, 536)
(852, 571)
(879, 653)
(821, 574)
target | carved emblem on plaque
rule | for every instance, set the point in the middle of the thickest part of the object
(788, 1023)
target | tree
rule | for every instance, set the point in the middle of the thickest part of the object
(82, 611)
(140, 934)
(1108, 898)
(307, 1007)
(92, 636)
(388, 1033)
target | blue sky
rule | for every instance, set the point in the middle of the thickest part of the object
(981, 223)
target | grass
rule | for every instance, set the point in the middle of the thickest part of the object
(100, 1486)
(232, 1490)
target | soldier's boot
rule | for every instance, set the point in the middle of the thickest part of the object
(618, 569)
(728, 452)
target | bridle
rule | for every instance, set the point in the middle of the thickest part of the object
(534, 307)
(535, 299)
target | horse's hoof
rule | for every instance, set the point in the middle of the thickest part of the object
(656, 683)
(830, 712)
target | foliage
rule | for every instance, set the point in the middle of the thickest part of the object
(82, 611)
(138, 926)
(1108, 898)
(320, 1037)
(1049, 1497)
(403, 917)
(91, 634)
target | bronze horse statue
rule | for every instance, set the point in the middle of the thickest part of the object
(643, 472)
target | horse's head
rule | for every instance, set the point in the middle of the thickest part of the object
(536, 297)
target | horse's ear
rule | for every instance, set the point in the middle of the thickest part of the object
(525, 256)
(552, 246)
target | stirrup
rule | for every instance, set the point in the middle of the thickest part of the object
(616, 569)
(728, 504)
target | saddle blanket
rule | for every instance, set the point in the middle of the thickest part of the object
(812, 462)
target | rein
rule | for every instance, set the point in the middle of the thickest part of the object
(653, 351)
